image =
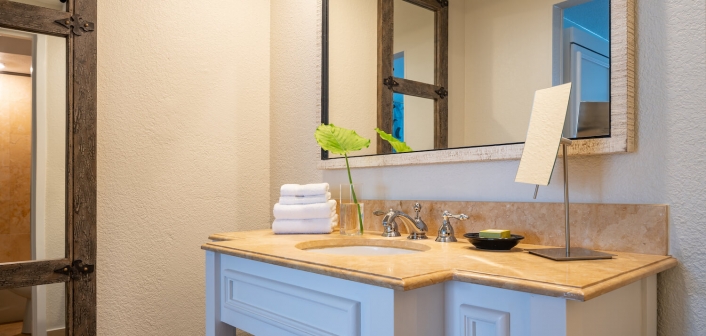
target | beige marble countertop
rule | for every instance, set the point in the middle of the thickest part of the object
(440, 262)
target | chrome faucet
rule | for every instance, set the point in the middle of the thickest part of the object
(446, 231)
(415, 226)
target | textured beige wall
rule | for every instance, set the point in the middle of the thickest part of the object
(183, 151)
(295, 104)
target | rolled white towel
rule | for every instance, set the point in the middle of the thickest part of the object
(305, 211)
(303, 189)
(293, 200)
(301, 226)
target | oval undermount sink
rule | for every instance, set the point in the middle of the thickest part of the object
(362, 247)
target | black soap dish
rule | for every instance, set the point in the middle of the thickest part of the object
(494, 244)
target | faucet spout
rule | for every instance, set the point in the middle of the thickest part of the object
(415, 226)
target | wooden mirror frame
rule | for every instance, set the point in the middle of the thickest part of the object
(388, 84)
(76, 269)
(622, 107)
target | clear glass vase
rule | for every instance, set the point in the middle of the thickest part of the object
(350, 215)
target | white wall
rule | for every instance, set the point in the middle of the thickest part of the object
(55, 211)
(183, 152)
(667, 168)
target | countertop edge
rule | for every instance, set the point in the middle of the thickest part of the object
(336, 272)
(410, 283)
(625, 279)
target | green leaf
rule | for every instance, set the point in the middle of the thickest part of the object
(339, 140)
(399, 146)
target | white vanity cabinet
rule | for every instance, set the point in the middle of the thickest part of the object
(268, 300)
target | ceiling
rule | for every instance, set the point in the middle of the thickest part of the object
(16, 63)
(15, 54)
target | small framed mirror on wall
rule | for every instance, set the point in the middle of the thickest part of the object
(48, 167)
(455, 79)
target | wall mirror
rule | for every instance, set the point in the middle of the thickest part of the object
(385, 63)
(47, 167)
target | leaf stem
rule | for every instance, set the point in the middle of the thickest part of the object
(355, 199)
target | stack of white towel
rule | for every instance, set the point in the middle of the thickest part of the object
(305, 209)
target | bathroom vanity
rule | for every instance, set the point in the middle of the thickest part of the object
(270, 284)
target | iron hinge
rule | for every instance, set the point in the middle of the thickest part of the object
(442, 92)
(390, 82)
(76, 269)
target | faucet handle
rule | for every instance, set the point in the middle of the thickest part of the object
(446, 231)
(417, 209)
(448, 215)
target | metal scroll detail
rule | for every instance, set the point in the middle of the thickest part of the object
(77, 24)
(76, 269)
(390, 82)
(442, 92)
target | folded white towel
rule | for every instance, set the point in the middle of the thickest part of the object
(300, 226)
(303, 190)
(305, 211)
(292, 200)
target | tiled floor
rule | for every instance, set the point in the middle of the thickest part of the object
(11, 329)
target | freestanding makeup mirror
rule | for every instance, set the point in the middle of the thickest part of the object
(544, 137)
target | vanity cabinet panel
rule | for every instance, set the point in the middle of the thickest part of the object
(265, 299)
(477, 310)
(487, 311)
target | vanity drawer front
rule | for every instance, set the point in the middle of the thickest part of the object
(288, 307)
(272, 300)
(476, 310)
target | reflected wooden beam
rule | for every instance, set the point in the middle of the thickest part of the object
(441, 62)
(414, 88)
(385, 40)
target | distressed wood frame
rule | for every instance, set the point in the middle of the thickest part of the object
(388, 84)
(80, 160)
(622, 139)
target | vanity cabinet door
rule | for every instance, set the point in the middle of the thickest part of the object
(475, 310)
(265, 299)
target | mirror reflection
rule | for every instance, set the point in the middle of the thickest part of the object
(25, 309)
(32, 146)
(53, 4)
(413, 42)
(413, 121)
(500, 52)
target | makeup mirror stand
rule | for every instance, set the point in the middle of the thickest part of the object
(567, 253)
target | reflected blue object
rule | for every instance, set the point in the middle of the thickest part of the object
(592, 16)
(398, 99)
(585, 45)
